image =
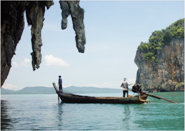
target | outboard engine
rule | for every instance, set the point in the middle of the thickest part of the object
(136, 89)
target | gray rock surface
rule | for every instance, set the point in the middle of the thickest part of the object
(168, 72)
(35, 17)
(77, 15)
(12, 25)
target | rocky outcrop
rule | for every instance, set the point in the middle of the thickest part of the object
(12, 25)
(77, 14)
(35, 17)
(163, 69)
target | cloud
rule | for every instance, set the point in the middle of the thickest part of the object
(26, 62)
(11, 87)
(15, 64)
(54, 61)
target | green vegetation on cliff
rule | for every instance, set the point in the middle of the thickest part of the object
(158, 39)
(179, 85)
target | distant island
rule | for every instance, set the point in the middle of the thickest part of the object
(50, 90)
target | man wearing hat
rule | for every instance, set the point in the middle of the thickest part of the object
(60, 84)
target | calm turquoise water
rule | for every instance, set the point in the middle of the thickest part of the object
(43, 112)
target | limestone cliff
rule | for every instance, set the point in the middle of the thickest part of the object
(161, 60)
(12, 25)
(77, 14)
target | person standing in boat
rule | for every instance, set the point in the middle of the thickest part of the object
(60, 84)
(125, 85)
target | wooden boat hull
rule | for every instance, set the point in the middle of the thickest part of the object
(71, 98)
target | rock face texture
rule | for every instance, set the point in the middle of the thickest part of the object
(164, 69)
(35, 17)
(12, 25)
(77, 14)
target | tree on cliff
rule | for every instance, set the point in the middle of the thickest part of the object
(159, 39)
(161, 60)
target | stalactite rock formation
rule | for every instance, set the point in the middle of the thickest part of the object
(77, 14)
(12, 26)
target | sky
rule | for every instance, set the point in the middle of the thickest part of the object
(114, 30)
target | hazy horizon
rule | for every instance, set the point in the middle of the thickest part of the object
(62, 87)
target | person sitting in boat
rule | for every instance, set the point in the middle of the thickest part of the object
(125, 84)
(60, 84)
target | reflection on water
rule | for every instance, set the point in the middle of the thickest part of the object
(6, 122)
(59, 116)
(126, 117)
(43, 112)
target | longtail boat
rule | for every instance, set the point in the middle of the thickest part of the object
(72, 98)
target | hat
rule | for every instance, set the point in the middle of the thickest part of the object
(59, 76)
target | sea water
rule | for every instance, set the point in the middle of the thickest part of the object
(43, 112)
